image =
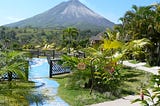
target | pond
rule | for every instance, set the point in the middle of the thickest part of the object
(39, 73)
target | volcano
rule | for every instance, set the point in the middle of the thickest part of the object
(70, 13)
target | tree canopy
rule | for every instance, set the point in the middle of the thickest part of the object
(143, 22)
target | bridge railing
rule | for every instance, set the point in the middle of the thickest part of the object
(5, 76)
(38, 53)
(56, 69)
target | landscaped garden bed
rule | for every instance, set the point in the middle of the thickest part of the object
(134, 80)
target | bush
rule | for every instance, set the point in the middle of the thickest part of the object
(106, 78)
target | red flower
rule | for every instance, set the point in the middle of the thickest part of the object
(112, 70)
(142, 95)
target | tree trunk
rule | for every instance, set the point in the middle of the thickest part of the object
(9, 76)
(158, 52)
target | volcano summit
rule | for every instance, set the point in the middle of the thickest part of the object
(70, 13)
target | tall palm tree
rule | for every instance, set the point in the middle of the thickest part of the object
(143, 22)
(13, 62)
(70, 34)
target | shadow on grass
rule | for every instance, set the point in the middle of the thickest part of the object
(134, 80)
(131, 74)
(127, 92)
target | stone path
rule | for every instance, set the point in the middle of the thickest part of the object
(141, 66)
(126, 101)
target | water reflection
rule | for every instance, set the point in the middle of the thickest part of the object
(45, 87)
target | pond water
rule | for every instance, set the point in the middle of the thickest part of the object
(39, 73)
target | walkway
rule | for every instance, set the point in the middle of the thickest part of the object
(141, 66)
(126, 101)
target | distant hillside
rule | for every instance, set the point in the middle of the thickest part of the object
(71, 13)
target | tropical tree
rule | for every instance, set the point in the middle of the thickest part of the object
(69, 37)
(13, 63)
(101, 72)
(143, 22)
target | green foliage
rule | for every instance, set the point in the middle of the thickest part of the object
(136, 49)
(14, 62)
(70, 61)
(37, 38)
(106, 73)
(28, 37)
(142, 23)
(70, 36)
(152, 96)
(79, 77)
(108, 79)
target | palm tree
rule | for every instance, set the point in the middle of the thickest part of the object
(13, 62)
(70, 34)
(143, 22)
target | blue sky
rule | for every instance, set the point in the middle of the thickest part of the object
(15, 10)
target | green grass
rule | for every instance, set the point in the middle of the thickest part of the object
(14, 93)
(133, 61)
(78, 97)
(133, 81)
(147, 65)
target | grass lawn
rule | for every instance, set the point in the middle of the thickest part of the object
(15, 93)
(147, 65)
(133, 80)
(133, 61)
(78, 97)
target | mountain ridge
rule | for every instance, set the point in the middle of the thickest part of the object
(68, 13)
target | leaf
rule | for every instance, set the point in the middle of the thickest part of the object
(146, 92)
(145, 102)
(153, 96)
(136, 100)
(97, 77)
(108, 44)
(97, 73)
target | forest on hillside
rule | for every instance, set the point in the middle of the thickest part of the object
(37, 38)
